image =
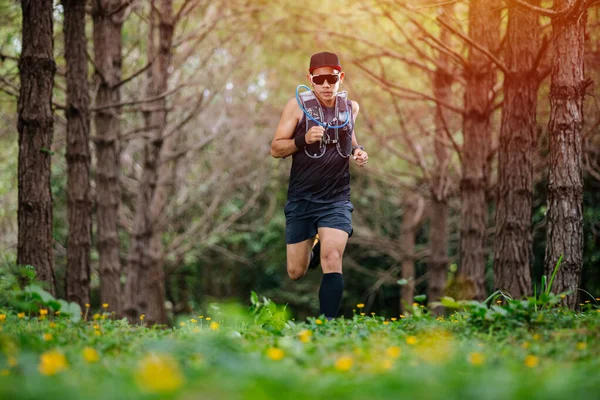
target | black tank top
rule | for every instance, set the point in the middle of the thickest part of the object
(325, 179)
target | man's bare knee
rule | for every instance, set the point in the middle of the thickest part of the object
(295, 273)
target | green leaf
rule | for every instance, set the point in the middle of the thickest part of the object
(402, 282)
(449, 302)
(420, 298)
(39, 293)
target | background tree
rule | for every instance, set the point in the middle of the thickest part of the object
(35, 125)
(79, 199)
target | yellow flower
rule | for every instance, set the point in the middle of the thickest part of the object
(200, 316)
(411, 340)
(90, 355)
(525, 345)
(12, 361)
(208, 318)
(105, 305)
(581, 346)
(96, 316)
(97, 333)
(305, 335)
(193, 321)
(43, 311)
(344, 363)
(360, 305)
(57, 313)
(372, 314)
(562, 296)
(52, 325)
(87, 305)
(103, 317)
(536, 336)
(362, 313)
(214, 326)
(393, 351)
(476, 358)
(318, 322)
(158, 373)
(498, 301)
(415, 304)
(196, 330)
(387, 364)
(2, 317)
(402, 316)
(182, 323)
(531, 361)
(386, 322)
(96, 327)
(52, 362)
(142, 317)
(21, 315)
(47, 337)
(275, 354)
(394, 319)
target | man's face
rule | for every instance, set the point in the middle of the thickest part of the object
(323, 84)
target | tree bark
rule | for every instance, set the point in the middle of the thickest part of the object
(513, 239)
(413, 211)
(484, 21)
(438, 235)
(79, 202)
(35, 126)
(107, 55)
(145, 289)
(564, 234)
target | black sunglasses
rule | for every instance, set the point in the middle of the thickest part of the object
(320, 79)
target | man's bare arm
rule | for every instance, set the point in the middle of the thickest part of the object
(283, 144)
(355, 109)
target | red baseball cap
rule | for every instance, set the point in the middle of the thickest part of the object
(324, 59)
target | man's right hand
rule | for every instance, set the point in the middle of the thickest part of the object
(315, 134)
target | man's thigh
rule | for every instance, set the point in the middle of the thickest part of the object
(298, 255)
(333, 244)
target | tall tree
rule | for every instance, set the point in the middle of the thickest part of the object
(513, 239)
(79, 202)
(108, 22)
(35, 126)
(438, 235)
(145, 291)
(564, 234)
(484, 30)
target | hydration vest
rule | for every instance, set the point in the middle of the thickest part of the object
(341, 137)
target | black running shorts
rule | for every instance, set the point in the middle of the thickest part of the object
(304, 217)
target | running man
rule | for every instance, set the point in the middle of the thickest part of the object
(318, 211)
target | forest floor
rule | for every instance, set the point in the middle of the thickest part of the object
(232, 353)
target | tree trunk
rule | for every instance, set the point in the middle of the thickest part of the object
(484, 21)
(438, 235)
(79, 201)
(145, 276)
(107, 55)
(565, 180)
(413, 211)
(35, 126)
(513, 239)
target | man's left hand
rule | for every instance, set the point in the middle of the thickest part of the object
(361, 157)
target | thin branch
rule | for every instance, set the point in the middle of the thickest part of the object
(135, 75)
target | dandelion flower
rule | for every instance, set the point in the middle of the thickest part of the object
(362, 314)
(96, 316)
(581, 346)
(142, 317)
(47, 337)
(52, 325)
(393, 351)
(402, 316)
(43, 311)
(52, 362)
(531, 361)
(394, 319)
(90, 355)
(182, 323)
(476, 358)
(21, 315)
(87, 305)
(344, 363)
(214, 326)
(387, 364)
(536, 336)
(275, 354)
(318, 322)
(208, 318)
(105, 305)
(411, 340)
(360, 305)
(386, 322)
(2, 317)
(158, 373)
(305, 335)
(193, 321)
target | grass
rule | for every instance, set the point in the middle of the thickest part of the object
(230, 353)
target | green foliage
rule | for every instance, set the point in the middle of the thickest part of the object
(20, 293)
(267, 314)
